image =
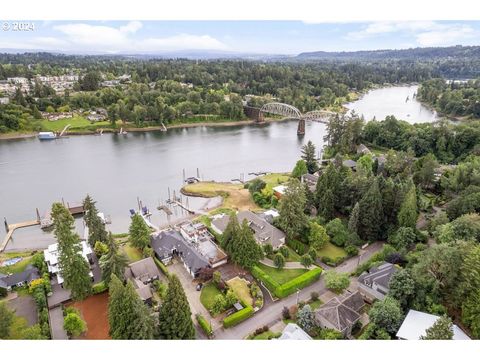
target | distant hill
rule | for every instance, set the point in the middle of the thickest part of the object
(404, 54)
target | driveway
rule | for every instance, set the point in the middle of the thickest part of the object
(56, 324)
(25, 307)
(271, 313)
(193, 296)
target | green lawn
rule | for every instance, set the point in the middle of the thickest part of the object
(133, 254)
(281, 276)
(332, 251)
(77, 123)
(207, 296)
(241, 289)
(274, 179)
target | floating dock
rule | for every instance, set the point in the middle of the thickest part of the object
(12, 228)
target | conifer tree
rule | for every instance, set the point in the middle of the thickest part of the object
(129, 318)
(408, 214)
(244, 249)
(292, 209)
(74, 269)
(354, 219)
(442, 329)
(113, 262)
(139, 233)
(371, 214)
(96, 228)
(175, 317)
(308, 155)
(232, 229)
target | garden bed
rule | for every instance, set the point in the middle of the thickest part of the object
(207, 296)
(241, 289)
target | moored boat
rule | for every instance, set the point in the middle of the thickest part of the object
(47, 135)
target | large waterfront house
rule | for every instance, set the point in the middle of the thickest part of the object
(193, 244)
(142, 273)
(340, 313)
(264, 232)
(416, 323)
(51, 258)
(374, 283)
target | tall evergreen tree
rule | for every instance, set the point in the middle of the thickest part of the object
(292, 209)
(309, 156)
(232, 229)
(175, 317)
(129, 318)
(354, 219)
(139, 233)
(96, 228)
(244, 250)
(113, 262)
(327, 192)
(408, 214)
(73, 266)
(371, 214)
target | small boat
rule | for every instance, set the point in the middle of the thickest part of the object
(47, 135)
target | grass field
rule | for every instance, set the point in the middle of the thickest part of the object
(207, 296)
(332, 251)
(19, 266)
(315, 304)
(133, 254)
(240, 288)
(281, 276)
(234, 195)
(274, 179)
(77, 123)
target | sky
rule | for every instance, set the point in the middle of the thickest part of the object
(257, 37)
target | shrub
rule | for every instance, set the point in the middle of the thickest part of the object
(351, 250)
(238, 317)
(286, 313)
(219, 304)
(217, 278)
(73, 324)
(100, 249)
(338, 232)
(268, 249)
(3, 292)
(205, 325)
(161, 266)
(298, 283)
(99, 287)
(336, 281)
(299, 247)
(279, 261)
(284, 251)
(314, 295)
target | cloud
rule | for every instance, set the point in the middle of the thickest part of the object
(425, 33)
(82, 37)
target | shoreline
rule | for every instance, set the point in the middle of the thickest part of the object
(16, 136)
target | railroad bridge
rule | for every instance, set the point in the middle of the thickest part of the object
(288, 111)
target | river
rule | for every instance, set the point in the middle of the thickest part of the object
(116, 169)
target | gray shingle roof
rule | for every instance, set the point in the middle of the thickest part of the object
(29, 274)
(380, 275)
(341, 312)
(166, 242)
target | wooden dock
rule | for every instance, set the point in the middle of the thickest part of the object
(12, 228)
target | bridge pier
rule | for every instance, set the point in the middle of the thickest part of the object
(301, 127)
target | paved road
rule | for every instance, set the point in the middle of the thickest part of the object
(271, 313)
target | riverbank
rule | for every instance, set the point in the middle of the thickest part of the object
(12, 136)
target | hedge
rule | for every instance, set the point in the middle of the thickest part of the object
(205, 325)
(289, 287)
(161, 266)
(299, 282)
(99, 287)
(299, 247)
(238, 317)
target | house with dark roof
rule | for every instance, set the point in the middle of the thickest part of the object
(195, 255)
(374, 283)
(142, 273)
(263, 231)
(340, 313)
(10, 281)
